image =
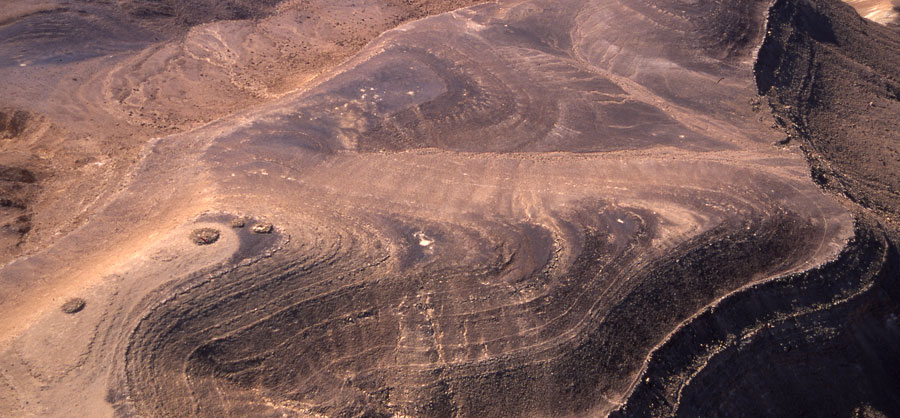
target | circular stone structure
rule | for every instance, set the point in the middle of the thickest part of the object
(263, 228)
(73, 306)
(204, 236)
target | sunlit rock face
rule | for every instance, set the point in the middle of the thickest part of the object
(881, 11)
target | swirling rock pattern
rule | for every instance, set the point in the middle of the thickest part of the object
(519, 208)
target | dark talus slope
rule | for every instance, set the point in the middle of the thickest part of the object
(819, 342)
(832, 80)
(825, 340)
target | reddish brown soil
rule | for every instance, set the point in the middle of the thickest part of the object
(515, 208)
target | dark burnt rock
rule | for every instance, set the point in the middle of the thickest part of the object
(73, 306)
(204, 236)
(263, 228)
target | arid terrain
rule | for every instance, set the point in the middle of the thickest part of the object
(424, 208)
(881, 11)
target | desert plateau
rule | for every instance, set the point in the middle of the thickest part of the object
(459, 208)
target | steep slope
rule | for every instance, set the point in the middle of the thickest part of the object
(825, 340)
(832, 80)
